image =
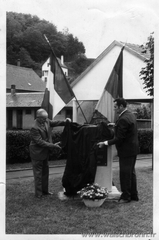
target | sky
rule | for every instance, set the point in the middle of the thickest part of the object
(96, 23)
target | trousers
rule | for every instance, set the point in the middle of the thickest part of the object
(128, 180)
(41, 176)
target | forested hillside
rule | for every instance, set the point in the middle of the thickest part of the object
(25, 41)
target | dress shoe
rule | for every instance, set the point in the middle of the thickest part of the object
(48, 193)
(121, 200)
(135, 198)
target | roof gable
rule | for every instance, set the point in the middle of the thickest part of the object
(134, 49)
(24, 79)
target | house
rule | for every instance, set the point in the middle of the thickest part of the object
(26, 94)
(25, 91)
(89, 86)
(46, 68)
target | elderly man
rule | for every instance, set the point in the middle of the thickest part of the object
(126, 141)
(41, 144)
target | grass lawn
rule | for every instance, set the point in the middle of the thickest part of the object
(27, 215)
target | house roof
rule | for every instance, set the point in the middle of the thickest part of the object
(24, 99)
(24, 79)
(132, 48)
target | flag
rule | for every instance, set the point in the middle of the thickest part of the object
(112, 90)
(58, 91)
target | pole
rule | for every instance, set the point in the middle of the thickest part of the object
(74, 111)
(65, 78)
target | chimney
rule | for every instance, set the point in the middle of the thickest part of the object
(62, 59)
(18, 63)
(13, 90)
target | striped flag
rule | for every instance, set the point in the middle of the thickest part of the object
(58, 91)
(112, 90)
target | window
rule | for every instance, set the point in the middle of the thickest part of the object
(69, 113)
(19, 119)
(45, 79)
(28, 111)
(9, 118)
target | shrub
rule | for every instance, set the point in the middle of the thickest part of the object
(143, 112)
(145, 137)
(17, 146)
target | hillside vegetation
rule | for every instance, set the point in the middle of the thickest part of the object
(26, 42)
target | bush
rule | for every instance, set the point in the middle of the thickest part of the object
(145, 137)
(17, 146)
(143, 112)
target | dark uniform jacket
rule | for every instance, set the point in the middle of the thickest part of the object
(126, 137)
(41, 140)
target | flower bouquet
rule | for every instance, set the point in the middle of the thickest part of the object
(93, 195)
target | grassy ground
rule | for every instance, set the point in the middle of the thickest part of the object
(27, 215)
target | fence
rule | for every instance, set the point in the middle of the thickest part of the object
(144, 124)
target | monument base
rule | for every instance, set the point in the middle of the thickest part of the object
(63, 197)
(114, 194)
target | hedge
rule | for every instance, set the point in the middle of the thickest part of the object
(145, 137)
(17, 145)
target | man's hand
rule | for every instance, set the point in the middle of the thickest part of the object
(56, 145)
(100, 144)
(68, 120)
(111, 124)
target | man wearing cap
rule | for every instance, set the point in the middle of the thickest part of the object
(41, 144)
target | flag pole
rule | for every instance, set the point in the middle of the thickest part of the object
(66, 81)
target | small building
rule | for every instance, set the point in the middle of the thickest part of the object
(24, 95)
(46, 68)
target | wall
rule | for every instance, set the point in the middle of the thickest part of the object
(91, 85)
(28, 119)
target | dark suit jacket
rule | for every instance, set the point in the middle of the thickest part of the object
(41, 140)
(126, 137)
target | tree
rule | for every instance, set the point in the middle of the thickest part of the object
(147, 73)
(25, 40)
(144, 112)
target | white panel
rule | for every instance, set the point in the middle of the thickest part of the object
(133, 87)
(91, 86)
(104, 173)
(58, 104)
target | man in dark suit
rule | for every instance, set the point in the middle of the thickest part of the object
(40, 146)
(126, 141)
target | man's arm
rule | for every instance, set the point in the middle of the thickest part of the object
(119, 136)
(58, 123)
(36, 137)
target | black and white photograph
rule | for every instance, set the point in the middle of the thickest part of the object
(79, 120)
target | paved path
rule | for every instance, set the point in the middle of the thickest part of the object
(57, 171)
